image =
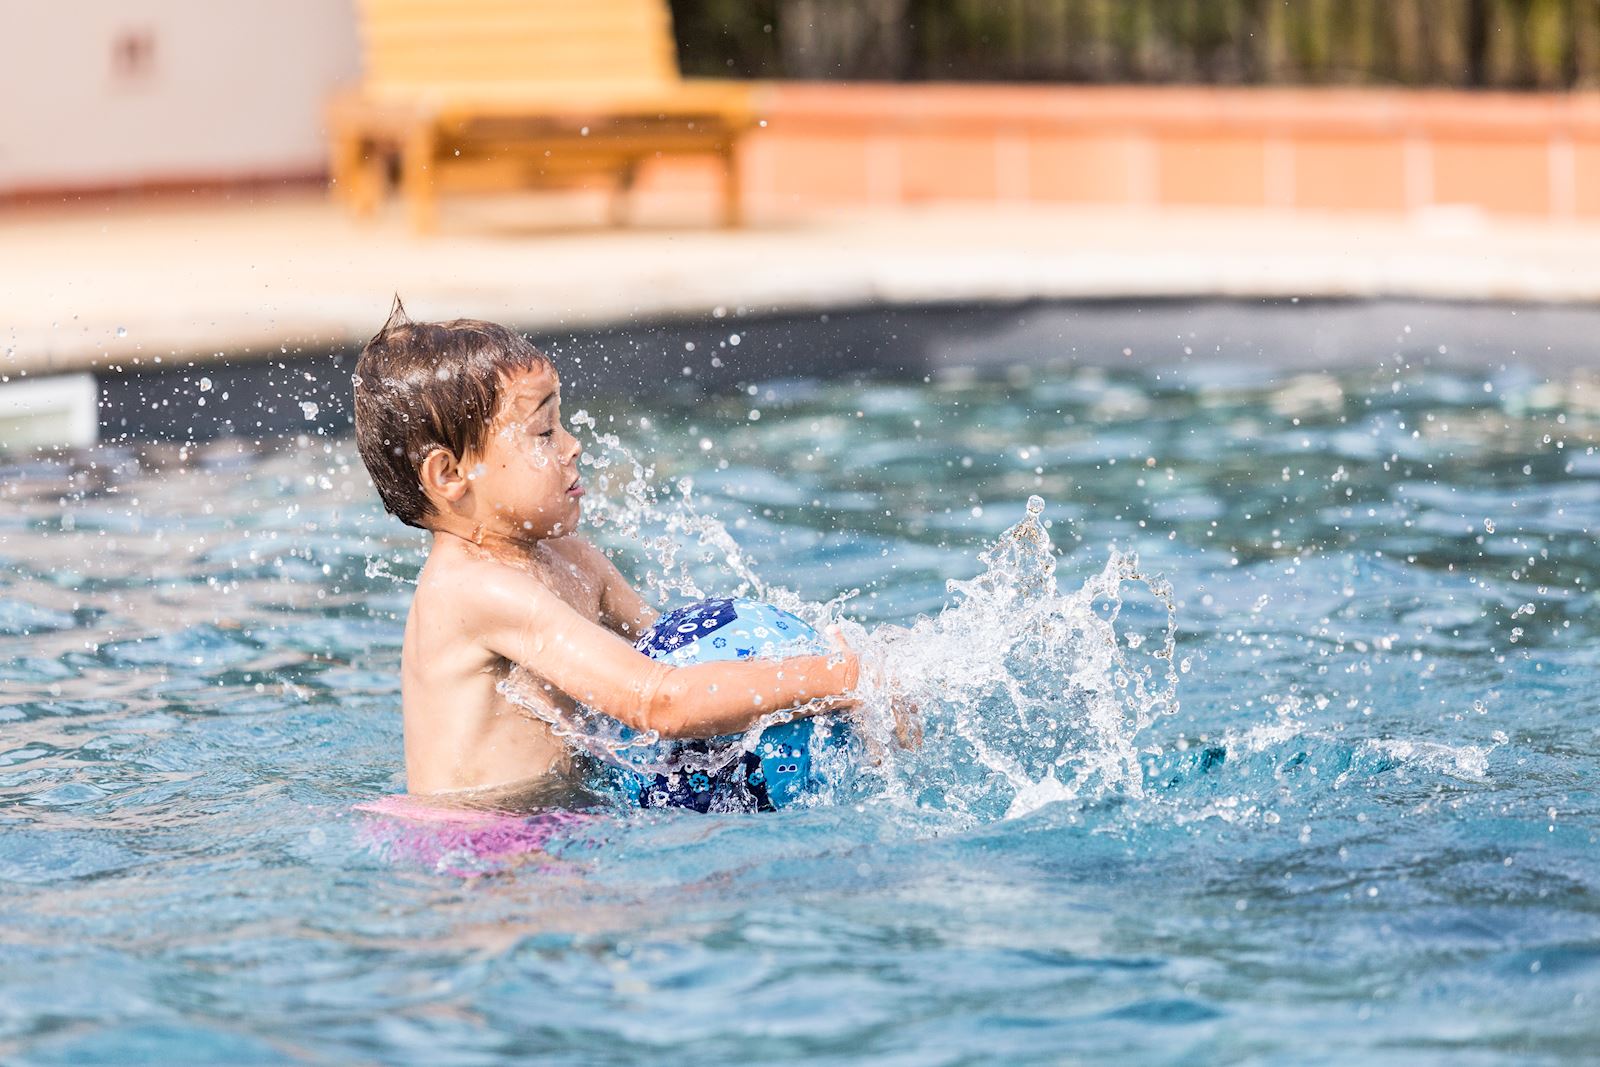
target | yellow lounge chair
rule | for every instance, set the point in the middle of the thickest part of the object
(506, 94)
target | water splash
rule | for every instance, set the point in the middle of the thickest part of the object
(665, 523)
(1025, 695)
(382, 567)
(1028, 695)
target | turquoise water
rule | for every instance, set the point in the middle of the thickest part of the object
(1363, 828)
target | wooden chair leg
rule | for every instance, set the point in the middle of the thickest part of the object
(732, 187)
(359, 173)
(622, 194)
(344, 160)
(370, 180)
(418, 179)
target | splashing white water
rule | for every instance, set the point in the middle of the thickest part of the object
(664, 523)
(1026, 694)
(1467, 763)
(381, 567)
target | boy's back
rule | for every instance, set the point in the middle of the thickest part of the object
(460, 731)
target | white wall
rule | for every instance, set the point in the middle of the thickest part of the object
(224, 88)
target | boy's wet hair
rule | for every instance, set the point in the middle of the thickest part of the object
(427, 385)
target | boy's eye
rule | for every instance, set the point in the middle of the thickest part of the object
(548, 433)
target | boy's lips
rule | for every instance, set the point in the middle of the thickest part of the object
(576, 488)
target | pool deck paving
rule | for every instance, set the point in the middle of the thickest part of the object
(99, 285)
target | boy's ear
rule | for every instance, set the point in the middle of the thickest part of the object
(442, 477)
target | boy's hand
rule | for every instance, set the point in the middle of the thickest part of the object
(907, 721)
(847, 701)
(903, 711)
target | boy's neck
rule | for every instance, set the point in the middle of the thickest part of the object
(479, 538)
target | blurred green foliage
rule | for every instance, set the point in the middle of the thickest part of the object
(1507, 44)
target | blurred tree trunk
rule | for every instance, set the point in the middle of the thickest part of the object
(859, 39)
(1586, 43)
(1545, 42)
(1444, 27)
(1502, 58)
(1274, 49)
(1406, 23)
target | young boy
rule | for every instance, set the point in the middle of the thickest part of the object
(459, 424)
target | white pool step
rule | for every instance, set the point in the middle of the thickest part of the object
(62, 411)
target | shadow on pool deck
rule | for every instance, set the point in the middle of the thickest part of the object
(122, 283)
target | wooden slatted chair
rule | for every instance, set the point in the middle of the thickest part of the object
(507, 94)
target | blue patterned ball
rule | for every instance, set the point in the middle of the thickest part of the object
(781, 767)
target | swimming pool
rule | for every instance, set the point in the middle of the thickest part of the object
(1364, 828)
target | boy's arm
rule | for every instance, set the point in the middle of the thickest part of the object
(523, 621)
(622, 609)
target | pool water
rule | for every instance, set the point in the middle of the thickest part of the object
(1352, 817)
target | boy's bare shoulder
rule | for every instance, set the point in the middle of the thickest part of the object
(476, 587)
(579, 552)
(571, 558)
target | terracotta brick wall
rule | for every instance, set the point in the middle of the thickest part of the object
(1320, 150)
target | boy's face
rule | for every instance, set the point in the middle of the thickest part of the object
(525, 479)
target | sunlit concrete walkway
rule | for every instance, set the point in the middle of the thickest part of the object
(108, 283)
